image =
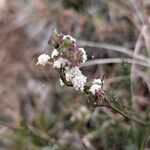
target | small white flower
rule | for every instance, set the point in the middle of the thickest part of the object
(69, 37)
(75, 76)
(43, 59)
(73, 72)
(97, 81)
(94, 88)
(84, 56)
(79, 82)
(60, 63)
(61, 82)
(54, 53)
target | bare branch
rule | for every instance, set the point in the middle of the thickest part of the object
(111, 47)
(113, 60)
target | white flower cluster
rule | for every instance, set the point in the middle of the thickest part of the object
(69, 37)
(43, 59)
(97, 81)
(71, 73)
(60, 59)
(84, 56)
(55, 53)
(75, 76)
(96, 86)
(60, 62)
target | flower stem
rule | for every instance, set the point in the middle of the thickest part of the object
(128, 117)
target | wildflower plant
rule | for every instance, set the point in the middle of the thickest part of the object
(66, 58)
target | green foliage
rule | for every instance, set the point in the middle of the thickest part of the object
(127, 109)
(75, 4)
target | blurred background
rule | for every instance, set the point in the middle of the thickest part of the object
(36, 113)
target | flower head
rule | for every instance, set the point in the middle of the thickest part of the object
(69, 37)
(84, 56)
(73, 72)
(75, 76)
(54, 53)
(79, 82)
(43, 59)
(95, 88)
(97, 81)
(60, 62)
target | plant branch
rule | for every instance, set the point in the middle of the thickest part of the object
(113, 60)
(133, 66)
(126, 116)
(112, 47)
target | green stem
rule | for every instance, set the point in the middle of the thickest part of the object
(128, 117)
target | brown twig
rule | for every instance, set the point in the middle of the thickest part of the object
(111, 47)
(113, 60)
(127, 117)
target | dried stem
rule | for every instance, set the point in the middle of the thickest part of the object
(133, 67)
(126, 116)
(113, 60)
(111, 47)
